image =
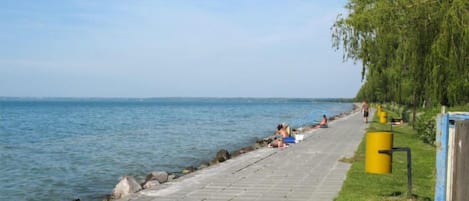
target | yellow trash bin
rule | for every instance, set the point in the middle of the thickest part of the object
(376, 162)
(383, 118)
(379, 110)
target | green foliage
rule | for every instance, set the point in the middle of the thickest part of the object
(460, 108)
(426, 126)
(360, 185)
(413, 52)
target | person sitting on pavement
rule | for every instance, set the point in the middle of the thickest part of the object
(287, 128)
(280, 134)
(323, 123)
(282, 130)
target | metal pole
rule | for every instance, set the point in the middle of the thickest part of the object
(409, 165)
(409, 171)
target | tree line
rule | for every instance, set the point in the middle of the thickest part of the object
(412, 52)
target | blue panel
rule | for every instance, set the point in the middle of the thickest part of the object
(458, 116)
(441, 156)
(442, 133)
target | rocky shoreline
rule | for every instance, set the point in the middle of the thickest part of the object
(128, 185)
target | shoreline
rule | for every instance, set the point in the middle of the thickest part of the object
(223, 155)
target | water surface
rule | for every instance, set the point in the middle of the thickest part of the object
(60, 149)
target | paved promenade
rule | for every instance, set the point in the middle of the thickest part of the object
(309, 170)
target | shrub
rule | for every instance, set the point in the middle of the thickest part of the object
(425, 125)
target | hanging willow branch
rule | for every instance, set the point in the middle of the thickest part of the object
(418, 47)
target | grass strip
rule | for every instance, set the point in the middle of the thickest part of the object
(374, 187)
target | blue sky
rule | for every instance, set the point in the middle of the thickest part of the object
(116, 48)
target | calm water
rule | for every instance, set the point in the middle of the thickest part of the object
(60, 149)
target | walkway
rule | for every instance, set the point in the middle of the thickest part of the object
(309, 170)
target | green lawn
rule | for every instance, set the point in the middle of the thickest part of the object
(373, 187)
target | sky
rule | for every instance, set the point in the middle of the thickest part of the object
(173, 48)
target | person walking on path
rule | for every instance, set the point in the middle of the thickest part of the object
(365, 110)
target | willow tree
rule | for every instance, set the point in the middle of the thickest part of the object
(449, 57)
(413, 52)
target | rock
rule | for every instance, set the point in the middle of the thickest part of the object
(154, 179)
(160, 176)
(203, 165)
(256, 146)
(260, 141)
(150, 183)
(248, 149)
(126, 186)
(263, 144)
(107, 197)
(222, 155)
(188, 170)
(236, 153)
(171, 177)
(244, 150)
(214, 162)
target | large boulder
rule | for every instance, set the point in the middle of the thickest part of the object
(154, 179)
(222, 155)
(127, 185)
(160, 176)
